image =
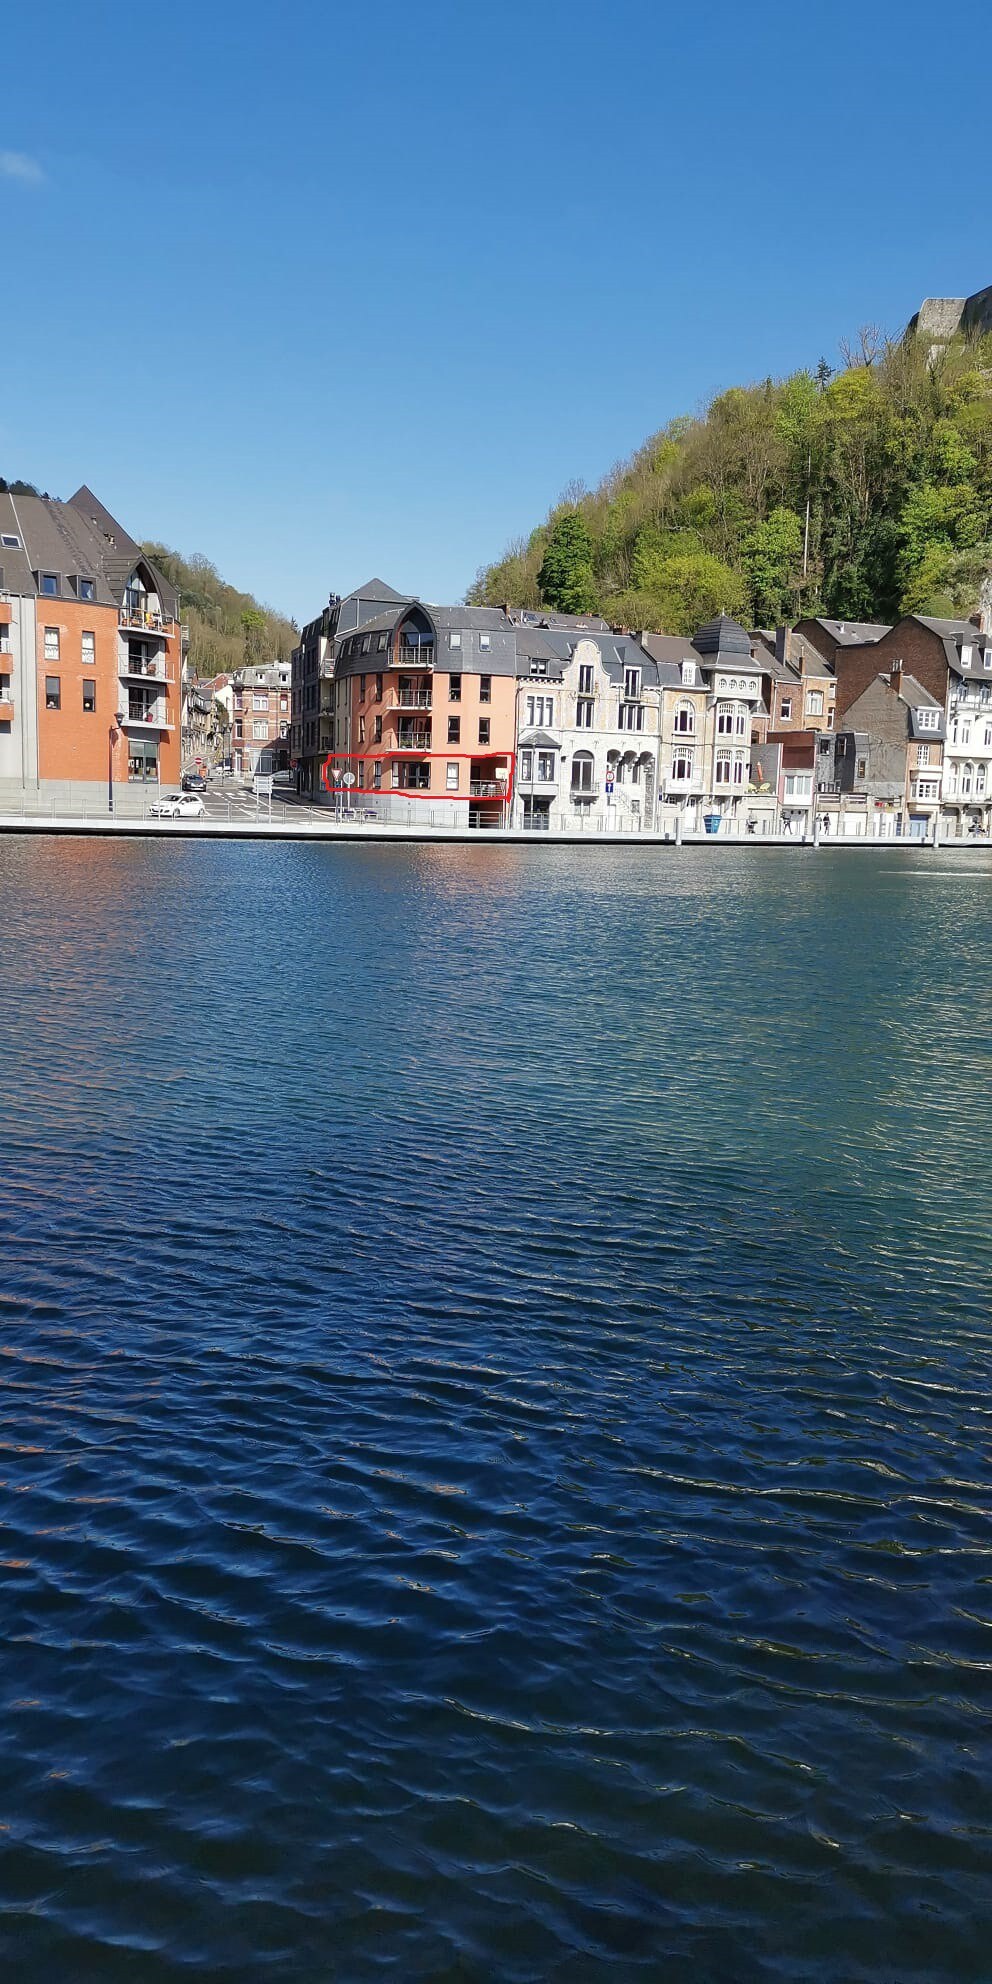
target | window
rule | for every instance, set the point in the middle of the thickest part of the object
(862, 768)
(527, 764)
(377, 775)
(89, 697)
(260, 730)
(51, 644)
(366, 647)
(585, 679)
(798, 785)
(377, 730)
(966, 654)
(485, 688)
(927, 788)
(484, 728)
(546, 767)
(725, 719)
(927, 719)
(979, 781)
(87, 589)
(987, 658)
(583, 714)
(239, 729)
(53, 692)
(632, 716)
(738, 768)
(688, 674)
(378, 688)
(452, 778)
(485, 640)
(361, 688)
(380, 643)
(685, 719)
(10, 543)
(723, 764)
(583, 772)
(456, 640)
(540, 709)
(967, 774)
(454, 688)
(538, 667)
(785, 709)
(454, 730)
(631, 684)
(683, 758)
(923, 754)
(48, 583)
(260, 702)
(87, 643)
(814, 702)
(361, 730)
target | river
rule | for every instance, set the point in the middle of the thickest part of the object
(496, 1422)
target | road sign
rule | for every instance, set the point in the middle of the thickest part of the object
(263, 786)
(609, 788)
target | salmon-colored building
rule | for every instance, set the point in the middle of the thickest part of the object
(90, 655)
(424, 711)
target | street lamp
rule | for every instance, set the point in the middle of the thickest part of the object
(119, 721)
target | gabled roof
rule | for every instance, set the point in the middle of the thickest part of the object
(539, 740)
(376, 589)
(852, 633)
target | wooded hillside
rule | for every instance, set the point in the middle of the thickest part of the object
(226, 627)
(859, 494)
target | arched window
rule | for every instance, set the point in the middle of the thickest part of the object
(583, 772)
(685, 719)
(967, 775)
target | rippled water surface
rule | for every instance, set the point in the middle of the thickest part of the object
(495, 1424)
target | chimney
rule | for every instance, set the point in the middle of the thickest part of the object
(785, 644)
(895, 677)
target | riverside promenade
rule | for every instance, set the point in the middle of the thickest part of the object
(296, 821)
(233, 813)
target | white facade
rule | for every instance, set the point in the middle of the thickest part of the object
(588, 741)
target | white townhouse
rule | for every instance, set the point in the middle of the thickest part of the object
(587, 731)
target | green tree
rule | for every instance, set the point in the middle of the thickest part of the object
(771, 555)
(566, 578)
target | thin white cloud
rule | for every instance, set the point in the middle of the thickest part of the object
(17, 165)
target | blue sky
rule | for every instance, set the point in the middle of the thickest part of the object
(325, 290)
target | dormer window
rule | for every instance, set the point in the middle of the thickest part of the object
(966, 654)
(688, 674)
(48, 584)
(927, 719)
(87, 588)
(631, 683)
(538, 667)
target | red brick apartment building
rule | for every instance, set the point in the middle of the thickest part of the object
(90, 654)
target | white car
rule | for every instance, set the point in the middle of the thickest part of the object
(178, 806)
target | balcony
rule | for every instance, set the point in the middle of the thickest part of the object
(6, 709)
(409, 739)
(145, 671)
(411, 699)
(486, 788)
(141, 621)
(5, 646)
(4, 608)
(146, 717)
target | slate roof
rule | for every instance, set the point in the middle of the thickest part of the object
(852, 633)
(78, 539)
(723, 636)
(539, 740)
